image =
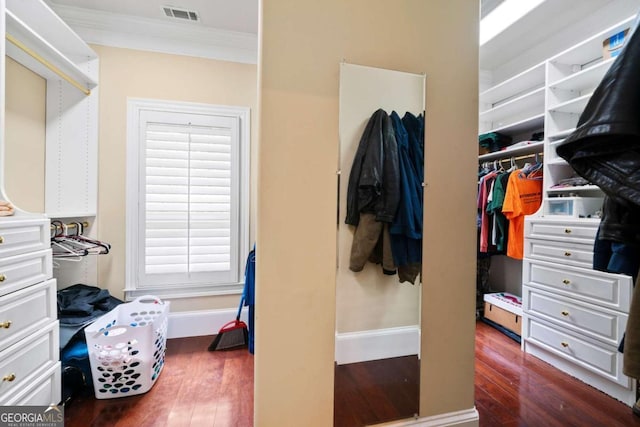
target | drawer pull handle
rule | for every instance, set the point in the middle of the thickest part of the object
(567, 254)
(564, 313)
(1, 239)
(6, 324)
(9, 378)
(566, 281)
(564, 344)
(3, 277)
(567, 230)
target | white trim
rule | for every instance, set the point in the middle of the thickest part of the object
(200, 323)
(464, 418)
(185, 292)
(157, 35)
(134, 108)
(352, 347)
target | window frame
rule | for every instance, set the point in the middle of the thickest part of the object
(136, 108)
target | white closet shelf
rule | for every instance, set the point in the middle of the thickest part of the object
(556, 161)
(519, 151)
(561, 134)
(583, 79)
(580, 188)
(554, 144)
(533, 100)
(573, 106)
(520, 126)
(37, 14)
(34, 41)
(520, 83)
(590, 49)
(65, 215)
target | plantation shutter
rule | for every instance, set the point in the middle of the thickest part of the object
(189, 213)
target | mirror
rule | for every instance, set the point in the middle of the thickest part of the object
(25, 109)
(377, 317)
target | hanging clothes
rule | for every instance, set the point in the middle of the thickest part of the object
(373, 193)
(374, 181)
(494, 207)
(523, 197)
(406, 228)
(484, 187)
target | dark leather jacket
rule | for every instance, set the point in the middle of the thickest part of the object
(374, 181)
(620, 222)
(605, 147)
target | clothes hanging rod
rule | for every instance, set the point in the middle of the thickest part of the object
(528, 156)
(47, 64)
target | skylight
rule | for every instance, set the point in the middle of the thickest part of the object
(503, 16)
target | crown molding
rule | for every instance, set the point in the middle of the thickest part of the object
(157, 35)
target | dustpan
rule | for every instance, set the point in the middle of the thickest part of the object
(232, 335)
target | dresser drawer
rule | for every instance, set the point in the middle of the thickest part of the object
(18, 236)
(44, 391)
(580, 255)
(583, 231)
(596, 322)
(602, 360)
(596, 287)
(27, 359)
(19, 271)
(27, 311)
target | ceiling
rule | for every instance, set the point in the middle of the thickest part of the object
(549, 19)
(230, 15)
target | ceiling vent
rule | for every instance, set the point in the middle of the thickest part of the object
(182, 14)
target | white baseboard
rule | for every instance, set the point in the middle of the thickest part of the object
(198, 323)
(466, 418)
(352, 347)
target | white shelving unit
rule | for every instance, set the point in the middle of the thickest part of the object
(565, 302)
(528, 80)
(558, 323)
(41, 41)
(37, 38)
(515, 105)
(586, 78)
(572, 75)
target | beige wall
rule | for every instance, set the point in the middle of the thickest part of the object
(302, 45)
(25, 102)
(131, 73)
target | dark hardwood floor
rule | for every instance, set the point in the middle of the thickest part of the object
(516, 389)
(196, 388)
(201, 388)
(373, 392)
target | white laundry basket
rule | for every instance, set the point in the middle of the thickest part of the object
(126, 347)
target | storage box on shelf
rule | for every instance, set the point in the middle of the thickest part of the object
(504, 309)
(576, 207)
(611, 46)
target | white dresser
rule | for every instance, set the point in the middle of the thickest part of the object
(574, 317)
(29, 331)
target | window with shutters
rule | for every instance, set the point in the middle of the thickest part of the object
(187, 198)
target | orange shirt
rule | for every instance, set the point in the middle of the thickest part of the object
(523, 197)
